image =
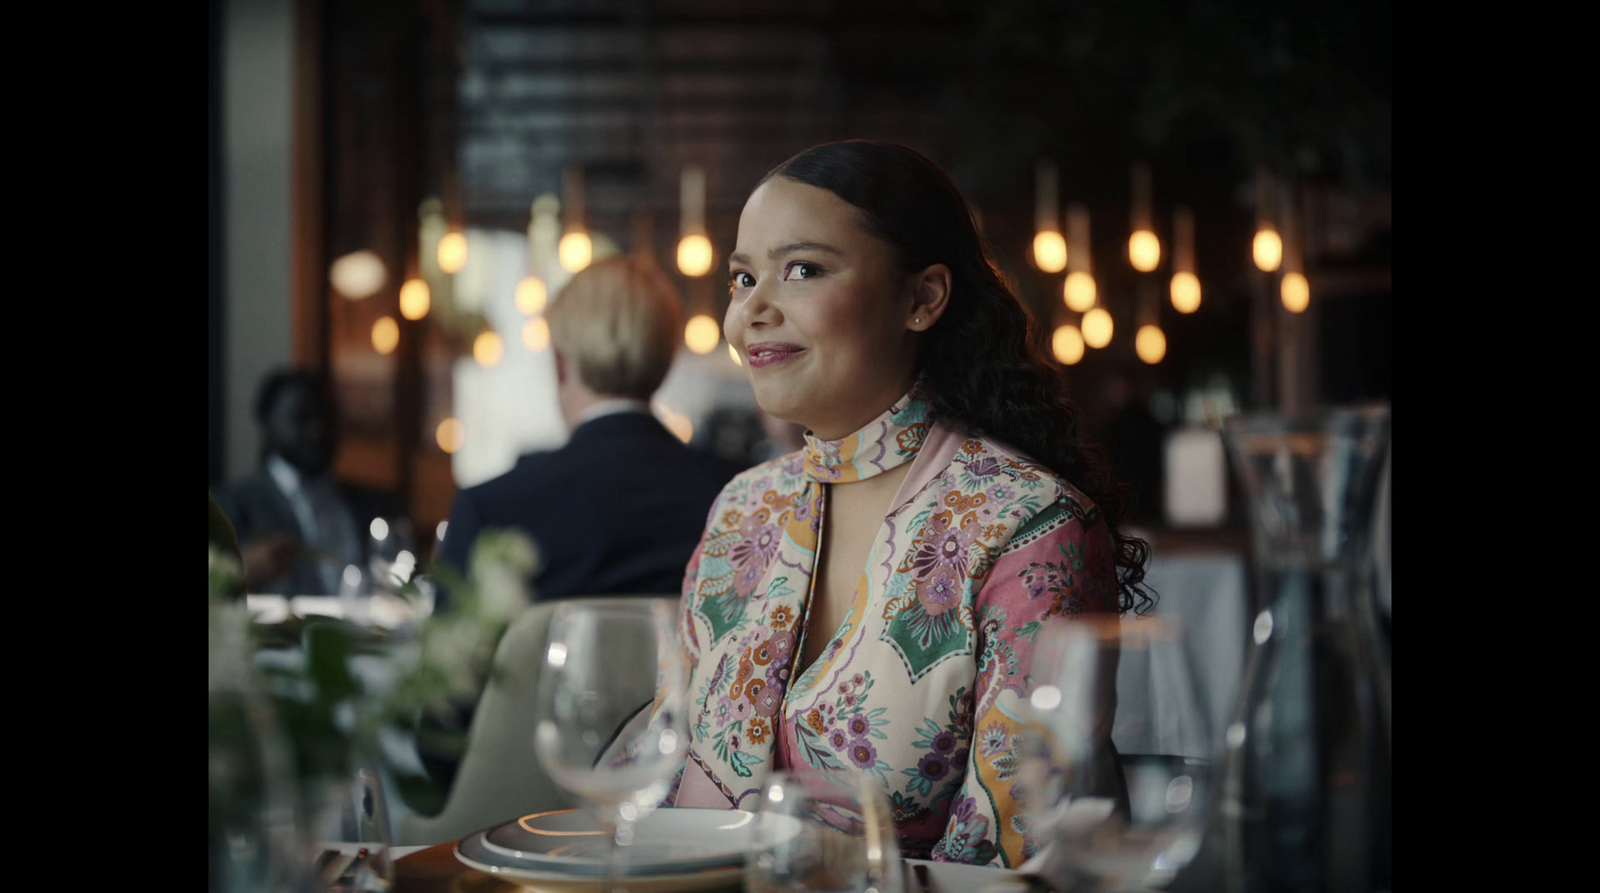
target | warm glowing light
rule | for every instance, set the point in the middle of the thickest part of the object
(1050, 251)
(694, 255)
(452, 252)
(1296, 292)
(385, 335)
(531, 295)
(487, 349)
(1185, 292)
(1150, 344)
(575, 251)
(357, 275)
(1079, 291)
(1067, 344)
(536, 334)
(449, 435)
(1097, 327)
(676, 422)
(1144, 251)
(702, 334)
(414, 299)
(1267, 249)
(734, 352)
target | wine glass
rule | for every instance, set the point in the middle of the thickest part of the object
(596, 732)
(1132, 813)
(824, 831)
(391, 552)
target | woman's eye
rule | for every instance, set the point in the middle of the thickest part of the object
(741, 280)
(801, 270)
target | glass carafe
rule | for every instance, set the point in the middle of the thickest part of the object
(1306, 786)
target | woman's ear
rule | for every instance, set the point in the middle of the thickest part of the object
(930, 294)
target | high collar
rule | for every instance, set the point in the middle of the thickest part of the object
(888, 441)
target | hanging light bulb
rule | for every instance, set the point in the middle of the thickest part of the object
(694, 255)
(1067, 344)
(385, 335)
(536, 334)
(575, 249)
(1267, 249)
(487, 349)
(1049, 247)
(415, 299)
(702, 333)
(531, 295)
(1296, 292)
(694, 249)
(450, 435)
(452, 252)
(1150, 344)
(357, 275)
(734, 352)
(1144, 249)
(1185, 284)
(1079, 291)
(1097, 327)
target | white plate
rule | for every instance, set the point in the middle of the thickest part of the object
(571, 843)
(470, 852)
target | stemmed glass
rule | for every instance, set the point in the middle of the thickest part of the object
(1132, 813)
(391, 552)
(823, 831)
(596, 736)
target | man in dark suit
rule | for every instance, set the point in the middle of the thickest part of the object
(298, 527)
(619, 508)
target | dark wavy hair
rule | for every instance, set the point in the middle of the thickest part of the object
(980, 366)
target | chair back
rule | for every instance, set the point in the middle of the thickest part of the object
(500, 778)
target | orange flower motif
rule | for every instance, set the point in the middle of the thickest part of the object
(781, 617)
(730, 518)
(972, 446)
(814, 720)
(757, 731)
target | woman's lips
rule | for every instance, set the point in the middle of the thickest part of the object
(768, 353)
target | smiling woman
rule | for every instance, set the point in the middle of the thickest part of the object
(870, 602)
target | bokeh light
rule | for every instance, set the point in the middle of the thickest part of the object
(1079, 291)
(452, 252)
(1150, 344)
(701, 334)
(531, 295)
(1144, 251)
(1097, 328)
(1050, 251)
(487, 348)
(1185, 292)
(1067, 344)
(415, 299)
(694, 255)
(385, 335)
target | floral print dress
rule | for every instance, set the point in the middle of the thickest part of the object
(921, 685)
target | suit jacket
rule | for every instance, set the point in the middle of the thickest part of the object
(257, 508)
(616, 510)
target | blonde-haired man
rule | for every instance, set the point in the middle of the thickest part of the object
(619, 508)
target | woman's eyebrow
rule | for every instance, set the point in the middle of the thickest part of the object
(790, 248)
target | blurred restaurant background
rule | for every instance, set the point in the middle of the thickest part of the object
(1192, 199)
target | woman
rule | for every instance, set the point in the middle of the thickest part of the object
(870, 601)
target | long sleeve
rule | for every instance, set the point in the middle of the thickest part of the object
(1044, 576)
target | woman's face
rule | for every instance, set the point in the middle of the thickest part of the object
(819, 311)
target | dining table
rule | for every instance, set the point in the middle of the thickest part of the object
(435, 869)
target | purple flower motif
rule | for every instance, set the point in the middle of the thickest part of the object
(939, 593)
(723, 712)
(844, 687)
(944, 742)
(863, 753)
(781, 645)
(859, 725)
(733, 742)
(985, 467)
(838, 739)
(993, 739)
(741, 709)
(1001, 493)
(933, 766)
(858, 679)
(959, 758)
(850, 700)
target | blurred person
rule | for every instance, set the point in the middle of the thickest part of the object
(618, 509)
(870, 601)
(298, 527)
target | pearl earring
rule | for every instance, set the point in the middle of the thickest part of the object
(918, 319)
